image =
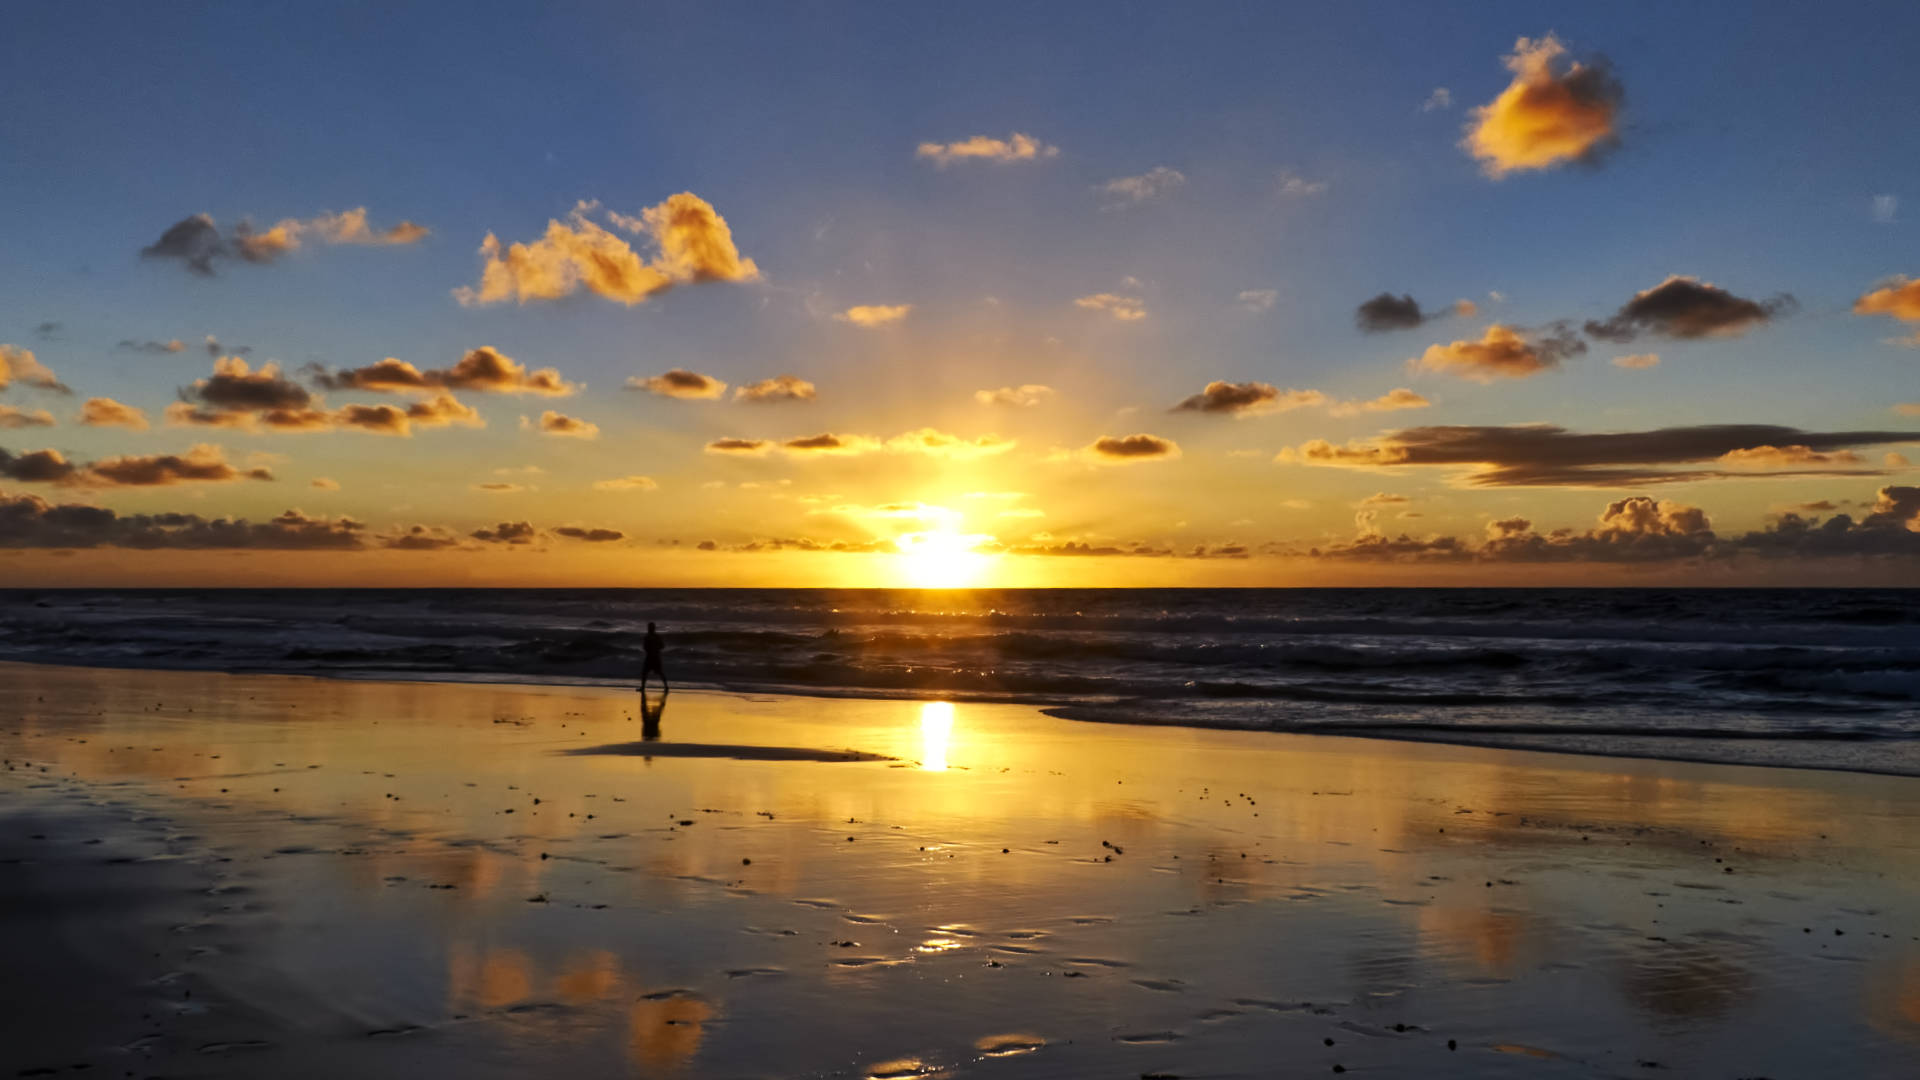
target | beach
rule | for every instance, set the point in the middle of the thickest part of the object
(236, 875)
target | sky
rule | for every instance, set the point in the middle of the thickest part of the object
(920, 295)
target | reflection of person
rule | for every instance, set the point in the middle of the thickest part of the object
(653, 646)
(651, 710)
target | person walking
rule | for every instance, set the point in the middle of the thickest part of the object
(653, 645)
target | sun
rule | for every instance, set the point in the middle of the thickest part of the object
(942, 558)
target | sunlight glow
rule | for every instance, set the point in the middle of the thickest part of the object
(942, 558)
(936, 734)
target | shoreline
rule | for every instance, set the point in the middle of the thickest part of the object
(1075, 711)
(237, 875)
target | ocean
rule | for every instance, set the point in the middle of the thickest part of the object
(1818, 678)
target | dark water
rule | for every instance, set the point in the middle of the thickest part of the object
(1825, 678)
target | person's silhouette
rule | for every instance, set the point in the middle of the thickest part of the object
(653, 646)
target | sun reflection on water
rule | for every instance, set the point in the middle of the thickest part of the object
(936, 734)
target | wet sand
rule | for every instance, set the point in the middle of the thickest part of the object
(219, 875)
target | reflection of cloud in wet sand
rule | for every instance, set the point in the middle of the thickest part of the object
(664, 1027)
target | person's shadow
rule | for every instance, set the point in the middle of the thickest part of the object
(652, 708)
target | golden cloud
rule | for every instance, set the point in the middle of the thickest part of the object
(1248, 399)
(936, 443)
(779, 388)
(1024, 397)
(106, 412)
(196, 240)
(204, 463)
(627, 483)
(1555, 110)
(1503, 352)
(1392, 401)
(1123, 308)
(484, 369)
(1778, 457)
(680, 383)
(1899, 298)
(693, 242)
(1638, 361)
(553, 423)
(19, 364)
(1015, 147)
(869, 316)
(11, 417)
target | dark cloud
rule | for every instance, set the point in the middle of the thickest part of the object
(1545, 455)
(680, 383)
(739, 446)
(420, 538)
(233, 387)
(202, 464)
(1388, 312)
(827, 443)
(1685, 308)
(47, 329)
(37, 467)
(153, 348)
(1248, 399)
(194, 240)
(1131, 448)
(596, 536)
(507, 532)
(28, 521)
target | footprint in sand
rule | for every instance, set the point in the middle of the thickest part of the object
(1164, 986)
(1095, 961)
(745, 973)
(1149, 1038)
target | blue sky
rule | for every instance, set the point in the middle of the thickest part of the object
(1753, 140)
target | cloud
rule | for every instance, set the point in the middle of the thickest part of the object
(1784, 457)
(553, 423)
(1503, 352)
(217, 350)
(1388, 312)
(1687, 308)
(1383, 498)
(153, 348)
(1884, 209)
(1248, 399)
(829, 443)
(201, 464)
(1392, 401)
(1441, 98)
(196, 240)
(47, 329)
(1545, 455)
(777, 389)
(324, 483)
(18, 364)
(484, 370)
(1293, 186)
(680, 383)
(1130, 449)
(693, 243)
(1123, 308)
(1022, 397)
(868, 316)
(739, 446)
(1899, 298)
(1015, 147)
(1131, 190)
(441, 410)
(500, 487)
(592, 536)
(1638, 361)
(420, 538)
(627, 483)
(1554, 111)
(28, 521)
(234, 386)
(11, 417)
(935, 443)
(1257, 299)
(507, 532)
